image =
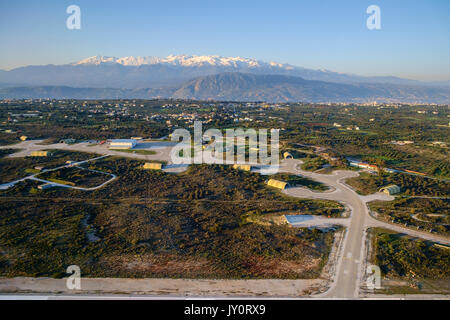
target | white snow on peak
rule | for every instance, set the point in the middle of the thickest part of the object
(97, 60)
(183, 60)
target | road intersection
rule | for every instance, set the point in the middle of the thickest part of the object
(351, 261)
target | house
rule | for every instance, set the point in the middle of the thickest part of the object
(277, 184)
(391, 189)
(153, 166)
(243, 167)
(122, 144)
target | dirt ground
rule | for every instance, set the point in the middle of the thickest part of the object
(175, 287)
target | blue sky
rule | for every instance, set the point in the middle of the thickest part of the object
(413, 42)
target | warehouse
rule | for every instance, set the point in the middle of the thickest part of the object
(122, 144)
(277, 184)
(390, 190)
(287, 155)
(243, 167)
(40, 154)
(153, 166)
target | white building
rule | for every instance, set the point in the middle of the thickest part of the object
(122, 144)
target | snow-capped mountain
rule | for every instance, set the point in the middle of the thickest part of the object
(156, 72)
(183, 60)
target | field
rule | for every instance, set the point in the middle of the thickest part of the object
(294, 181)
(137, 151)
(425, 214)
(409, 265)
(16, 168)
(75, 176)
(153, 224)
(410, 185)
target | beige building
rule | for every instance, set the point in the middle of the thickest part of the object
(243, 167)
(153, 166)
(277, 184)
(40, 154)
(122, 144)
(287, 155)
(390, 190)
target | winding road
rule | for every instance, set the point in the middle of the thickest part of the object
(350, 267)
(351, 262)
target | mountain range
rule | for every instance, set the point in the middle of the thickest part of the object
(209, 77)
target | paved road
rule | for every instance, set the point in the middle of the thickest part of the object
(352, 257)
(73, 164)
(162, 149)
(345, 284)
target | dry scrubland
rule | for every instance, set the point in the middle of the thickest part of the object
(154, 224)
(410, 265)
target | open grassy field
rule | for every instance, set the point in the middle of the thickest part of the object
(410, 265)
(410, 185)
(136, 151)
(75, 176)
(16, 168)
(154, 224)
(425, 214)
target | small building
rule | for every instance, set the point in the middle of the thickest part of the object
(364, 165)
(243, 167)
(153, 166)
(122, 144)
(23, 138)
(68, 141)
(277, 184)
(287, 155)
(40, 154)
(46, 186)
(38, 168)
(391, 189)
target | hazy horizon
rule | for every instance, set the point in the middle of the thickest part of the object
(412, 43)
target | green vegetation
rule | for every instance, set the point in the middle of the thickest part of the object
(296, 180)
(74, 176)
(410, 185)
(136, 151)
(421, 213)
(421, 264)
(313, 164)
(202, 223)
(16, 168)
(154, 224)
